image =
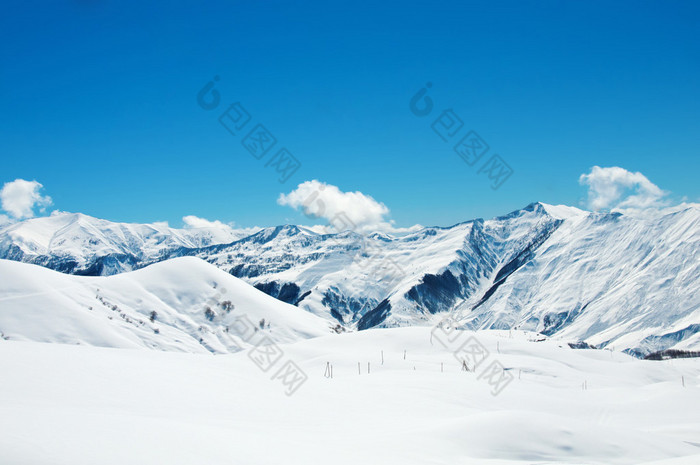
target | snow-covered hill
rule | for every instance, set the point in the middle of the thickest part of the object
(183, 304)
(631, 282)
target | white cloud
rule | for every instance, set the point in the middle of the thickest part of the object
(20, 197)
(5, 220)
(343, 210)
(194, 222)
(616, 188)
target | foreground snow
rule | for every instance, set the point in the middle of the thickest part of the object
(69, 404)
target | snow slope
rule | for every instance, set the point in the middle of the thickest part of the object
(79, 405)
(198, 308)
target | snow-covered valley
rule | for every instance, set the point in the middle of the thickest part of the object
(77, 404)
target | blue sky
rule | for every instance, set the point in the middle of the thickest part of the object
(99, 102)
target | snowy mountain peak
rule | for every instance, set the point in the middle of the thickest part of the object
(562, 211)
(540, 208)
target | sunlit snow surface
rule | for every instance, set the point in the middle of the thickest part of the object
(76, 404)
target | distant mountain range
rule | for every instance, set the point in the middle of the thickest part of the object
(79, 244)
(608, 279)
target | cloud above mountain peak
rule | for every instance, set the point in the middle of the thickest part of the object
(194, 222)
(617, 188)
(20, 197)
(343, 210)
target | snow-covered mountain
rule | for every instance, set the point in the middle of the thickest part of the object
(609, 279)
(79, 244)
(183, 304)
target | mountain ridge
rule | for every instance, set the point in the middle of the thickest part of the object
(487, 274)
